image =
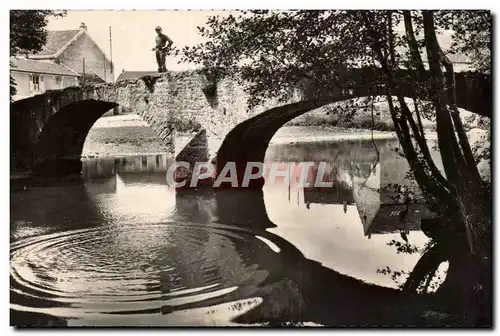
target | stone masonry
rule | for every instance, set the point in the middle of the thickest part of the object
(52, 127)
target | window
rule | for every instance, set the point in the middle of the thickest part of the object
(59, 82)
(36, 83)
(42, 87)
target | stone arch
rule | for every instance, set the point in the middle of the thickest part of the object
(249, 140)
(48, 130)
(60, 143)
(30, 117)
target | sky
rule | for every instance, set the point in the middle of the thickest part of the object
(133, 34)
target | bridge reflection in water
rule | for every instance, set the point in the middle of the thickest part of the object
(125, 249)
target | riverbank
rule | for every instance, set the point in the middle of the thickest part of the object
(300, 134)
(352, 114)
(129, 134)
(122, 135)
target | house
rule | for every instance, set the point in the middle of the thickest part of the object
(461, 62)
(68, 58)
(34, 77)
(134, 74)
(78, 51)
(380, 206)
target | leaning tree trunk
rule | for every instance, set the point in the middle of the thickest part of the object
(468, 275)
(471, 195)
(461, 192)
(434, 186)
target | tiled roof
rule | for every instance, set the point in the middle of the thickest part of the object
(134, 74)
(56, 40)
(26, 65)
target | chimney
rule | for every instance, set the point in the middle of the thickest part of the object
(83, 26)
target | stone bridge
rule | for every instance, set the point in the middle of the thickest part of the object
(48, 131)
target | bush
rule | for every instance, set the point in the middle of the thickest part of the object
(361, 120)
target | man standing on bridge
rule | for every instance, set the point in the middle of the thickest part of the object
(163, 45)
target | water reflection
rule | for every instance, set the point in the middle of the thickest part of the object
(125, 249)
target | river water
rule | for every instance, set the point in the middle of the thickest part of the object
(125, 249)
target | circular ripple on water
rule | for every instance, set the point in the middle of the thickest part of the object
(125, 268)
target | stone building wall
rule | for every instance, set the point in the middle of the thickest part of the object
(95, 60)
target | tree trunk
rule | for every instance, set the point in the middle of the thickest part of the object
(466, 204)
(421, 78)
(434, 188)
(469, 272)
(472, 200)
